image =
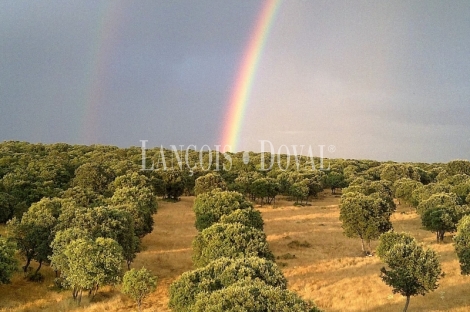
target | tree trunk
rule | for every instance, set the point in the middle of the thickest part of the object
(26, 266)
(440, 236)
(39, 267)
(128, 265)
(362, 243)
(407, 303)
(80, 298)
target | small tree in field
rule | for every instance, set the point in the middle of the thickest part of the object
(413, 270)
(138, 284)
(232, 240)
(442, 219)
(365, 217)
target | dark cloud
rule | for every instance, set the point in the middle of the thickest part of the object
(378, 80)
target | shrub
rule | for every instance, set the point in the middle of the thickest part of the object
(232, 240)
(210, 207)
(35, 277)
(219, 274)
(138, 284)
(297, 244)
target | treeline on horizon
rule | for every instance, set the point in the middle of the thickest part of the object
(29, 172)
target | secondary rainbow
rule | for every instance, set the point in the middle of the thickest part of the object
(97, 78)
(233, 121)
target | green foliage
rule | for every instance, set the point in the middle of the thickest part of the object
(441, 219)
(462, 244)
(394, 172)
(248, 217)
(403, 189)
(32, 177)
(423, 193)
(350, 173)
(299, 191)
(130, 179)
(7, 207)
(252, 297)
(285, 181)
(335, 180)
(365, 217)
(34, 233)
(449, 200)
(382, 189)
(141, 203)
(173, 183)
(93, 176)
(138, 284)
(462, 190)
(208, 183)
(233, 240)
(456, 179)
(210, 207)
(92, 263)
(108, 222)
(264, 189)
(242, 183)
(458, 167)
(413, 270)
(84, 197)
(388, 240)
(62, 239)
(219, 274)
(8, 262)
(315, 184)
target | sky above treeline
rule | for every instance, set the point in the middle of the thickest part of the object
(384, 80)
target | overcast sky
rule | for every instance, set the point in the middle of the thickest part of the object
(385, 80)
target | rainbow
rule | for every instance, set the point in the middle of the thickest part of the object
(245, 76)
(96, 81)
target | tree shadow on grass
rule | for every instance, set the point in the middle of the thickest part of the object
(442, 299)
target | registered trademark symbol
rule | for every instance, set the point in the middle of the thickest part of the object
(331, 148)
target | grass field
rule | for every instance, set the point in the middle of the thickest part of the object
(318, 261)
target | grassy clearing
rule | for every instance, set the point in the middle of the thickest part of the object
(318, 261)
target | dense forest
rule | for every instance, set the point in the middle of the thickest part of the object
(83, 211)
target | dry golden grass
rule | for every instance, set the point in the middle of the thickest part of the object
(332, 271)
